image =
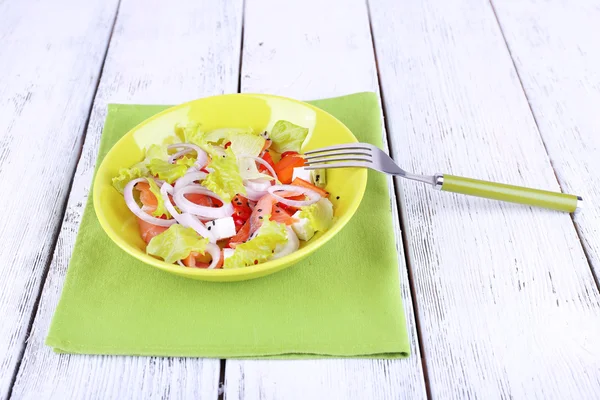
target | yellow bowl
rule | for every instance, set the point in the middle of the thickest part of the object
(259, 112)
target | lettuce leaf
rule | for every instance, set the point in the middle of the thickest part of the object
(156, 151)
(176, 243)
(128, 174)
(139, 170)
(225, 135)
(160, 202)
(320, 214)
(260, 248)
(165, 170)
(224, 178)
(186, 160)
(189, 132)
(248, 145)
(287, 136)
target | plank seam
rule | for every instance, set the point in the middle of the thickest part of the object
(221, 384)
(239, 86)
(58, 228)
(577, 230)
(402, 216)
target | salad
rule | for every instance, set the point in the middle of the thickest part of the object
(227, 198)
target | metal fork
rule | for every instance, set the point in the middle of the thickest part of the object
(364, 155)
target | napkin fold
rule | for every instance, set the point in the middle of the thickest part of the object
(342, 301)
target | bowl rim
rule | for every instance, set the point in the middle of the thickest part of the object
(250, 271)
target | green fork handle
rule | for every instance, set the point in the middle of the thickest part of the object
(514, 194)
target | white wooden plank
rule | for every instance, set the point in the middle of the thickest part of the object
(333, 57)
(50, 59)
(160, 53)
(506, 301)
(556, 52)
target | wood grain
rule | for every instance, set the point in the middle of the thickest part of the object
(160, 53)
(50, 59)
(507, 304)
(556, 52)
(334, 56)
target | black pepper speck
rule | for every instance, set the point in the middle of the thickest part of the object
(338, 197)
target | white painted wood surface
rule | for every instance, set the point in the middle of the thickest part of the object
(159, 54)
(333, 57)
(556, 52)
(50, 58)
(506, 300)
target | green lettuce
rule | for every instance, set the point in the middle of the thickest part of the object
(260, 248)
(176, 243)
(224, 178)
(320, 214)
(287, 136)
(187, 161)
(160, 202)
(224, 135)
(166, 171)
(189, 132)
(139, 170)
(156, 152)
(246, 145)
(128, 174)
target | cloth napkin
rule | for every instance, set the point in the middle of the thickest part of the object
(342, 301)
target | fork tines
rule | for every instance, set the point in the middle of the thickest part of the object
(344, 155)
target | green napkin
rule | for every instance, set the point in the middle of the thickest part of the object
(342, 301)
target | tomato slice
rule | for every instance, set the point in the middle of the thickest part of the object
(241, 211)
(267, 157)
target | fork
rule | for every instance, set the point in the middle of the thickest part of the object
(364, 155)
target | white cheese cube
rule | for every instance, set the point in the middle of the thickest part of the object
(221, 228)
(300, 172)
(303, 228)
(227, 253)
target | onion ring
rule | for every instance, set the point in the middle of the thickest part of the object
(226, 210)
(135, 208)
(291, 246)
(313, 196)
(187, 220)
(256, 189)
(215, 253)
(264, 164)
(189, 178)
(202, 157)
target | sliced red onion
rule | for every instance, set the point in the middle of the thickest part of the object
(187, 220)
(255, 189)
(260, 185)
(215, 253)
(166, 190)
(188, 178)
(226, 210)
(313, 196)
(176, 156)
(264, 164)
(291, 246)
(135, 208)
(202, 157)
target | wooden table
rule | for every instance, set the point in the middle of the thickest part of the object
(502, 301)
